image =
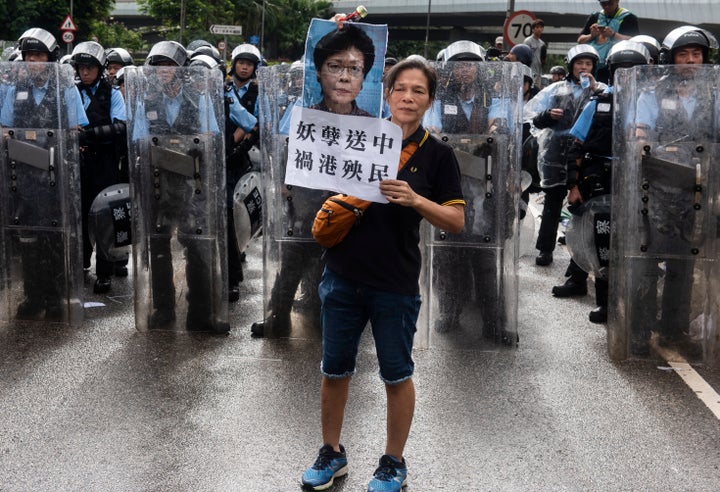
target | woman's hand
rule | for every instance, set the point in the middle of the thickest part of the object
(448, 218)
(339, 20)
(399, 192)
(556, 113)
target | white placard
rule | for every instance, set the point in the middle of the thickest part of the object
(342, 153)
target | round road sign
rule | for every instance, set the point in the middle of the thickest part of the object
(68, 37)
(518, 26)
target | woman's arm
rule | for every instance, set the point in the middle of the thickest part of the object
(450, 218)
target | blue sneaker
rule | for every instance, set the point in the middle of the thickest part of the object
(390, 476)
(328, 466)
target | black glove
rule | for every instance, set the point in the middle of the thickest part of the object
(544, 120)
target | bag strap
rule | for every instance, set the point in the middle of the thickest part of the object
(409, 150)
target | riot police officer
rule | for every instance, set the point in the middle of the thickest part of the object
(474, 111)
(677, 122)
(41, 223)
(177, 176)
(116, 58)
(465, 103)
(590, 176)
(552, 112)
(103, 146)
(558, 73)
(240, 135)
(651, 44)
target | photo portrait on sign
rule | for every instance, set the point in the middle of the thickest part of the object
(344, 67)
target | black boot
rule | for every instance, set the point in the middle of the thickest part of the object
(102, 284)
(598, 315)
(571, 288)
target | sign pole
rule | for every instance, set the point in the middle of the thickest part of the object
(70, 45)
(427, 30)
(510, 10)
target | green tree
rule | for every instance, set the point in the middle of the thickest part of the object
(286, 21)
(286, 25)
(20, 15)
(115, 34)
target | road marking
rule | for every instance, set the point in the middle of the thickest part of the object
(695, 382)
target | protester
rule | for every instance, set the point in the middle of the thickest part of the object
(373, 276)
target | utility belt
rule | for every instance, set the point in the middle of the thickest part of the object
(595, 176)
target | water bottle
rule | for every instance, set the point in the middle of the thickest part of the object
(584, 80)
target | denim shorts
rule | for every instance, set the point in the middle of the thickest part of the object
(346, 308)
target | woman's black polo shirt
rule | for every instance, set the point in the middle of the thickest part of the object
(382, 251)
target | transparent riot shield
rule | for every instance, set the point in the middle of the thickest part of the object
(291, 258)
(472, 276)
(109, 224)
(39, 183)
(664, 289)
(176, 156)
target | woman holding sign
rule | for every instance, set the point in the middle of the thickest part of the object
(373, 275)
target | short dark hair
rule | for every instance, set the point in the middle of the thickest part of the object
(343, 39)
(537, 22)
(410, 63)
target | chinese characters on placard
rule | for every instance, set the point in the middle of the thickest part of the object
(345, 154)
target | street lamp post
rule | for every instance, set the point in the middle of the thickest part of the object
(262, 29)
(182, 22)
(427, 30)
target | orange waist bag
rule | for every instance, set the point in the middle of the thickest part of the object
(340, 213)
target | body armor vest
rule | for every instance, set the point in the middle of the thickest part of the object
(599, 138)
(237, 159)
(674, 122)
(459, 123)
(27, 114)
(98, 112)
(185, 123)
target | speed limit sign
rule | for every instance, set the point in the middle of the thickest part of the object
(68, 37)
(518, 27)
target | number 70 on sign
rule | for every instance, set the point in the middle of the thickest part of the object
(518, 27)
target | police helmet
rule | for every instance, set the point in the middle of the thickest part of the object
(440, 55)
(687, 36)
(652, 45)
(558, 69)
(16, 55)
(65, 59)
(297, 66)
(165, 51)
(246, 51)
(193, 45)
(416, 57)
(627, 54)
(88, 53)
(464, 50)
(119, 55)
(119, 78)
(581, 51)
(207, 62)
(37, 39)
(527, 74)
(207, 50)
